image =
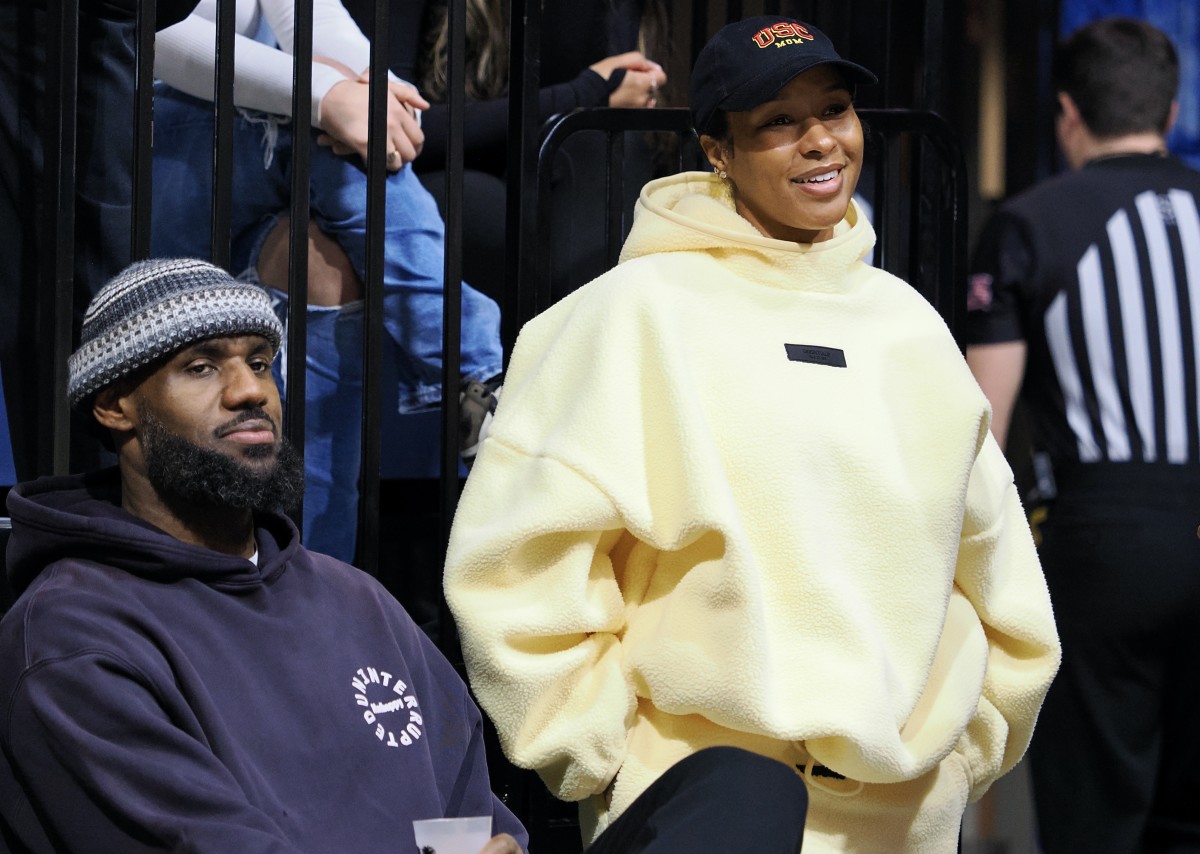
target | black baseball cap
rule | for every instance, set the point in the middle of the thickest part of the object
(748, 61)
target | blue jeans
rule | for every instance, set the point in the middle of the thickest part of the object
(332, 423)
(412, 281)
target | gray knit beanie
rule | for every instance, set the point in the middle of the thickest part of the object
(155, 308)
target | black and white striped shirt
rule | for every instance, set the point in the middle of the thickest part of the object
(1098, 271)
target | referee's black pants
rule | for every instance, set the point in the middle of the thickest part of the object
(1115, 758)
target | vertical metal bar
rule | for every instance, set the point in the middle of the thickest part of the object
(143, 136)
(615, 189)
(297, 331)
(539, 269)
(880, 197)
(933, 64)
(524, 73)
(733, 10)
(891, 78)
(898, 179)
(917, 189)
(883, 202)
(56, 302)
(699, 29)
(452, 288)
(1046, 143)
(222, 201)
(368, 507)
(942, 210)
(956, 316)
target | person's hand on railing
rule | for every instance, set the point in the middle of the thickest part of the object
(638, 87)
(345, 117)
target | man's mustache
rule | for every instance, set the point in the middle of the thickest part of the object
(242, 417)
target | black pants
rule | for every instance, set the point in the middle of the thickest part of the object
(722, 799)
(1115, 758)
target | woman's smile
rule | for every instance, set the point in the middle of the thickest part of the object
(793, 162)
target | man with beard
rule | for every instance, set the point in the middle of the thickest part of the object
(178, 671)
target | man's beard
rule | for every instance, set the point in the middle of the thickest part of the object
(186, 474)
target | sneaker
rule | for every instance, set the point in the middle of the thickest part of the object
(477, 404)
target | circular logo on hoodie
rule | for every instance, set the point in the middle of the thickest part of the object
(388, 706)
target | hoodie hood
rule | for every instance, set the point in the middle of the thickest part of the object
(79, 517)
(694, 212)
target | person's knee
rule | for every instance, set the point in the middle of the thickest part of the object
(736, 768)
(332, 280)
(718, 799)
(741, 786)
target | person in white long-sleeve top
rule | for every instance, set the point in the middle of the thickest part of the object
(262, 155)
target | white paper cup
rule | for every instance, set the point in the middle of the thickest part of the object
(452, 835)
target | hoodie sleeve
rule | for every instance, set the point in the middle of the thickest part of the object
(184, 58)
(535, 569)
(1000, 576)
(540, 615)
(998, 650)
(99, 754)
(456, 741)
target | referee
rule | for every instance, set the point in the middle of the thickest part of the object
(1084, 297)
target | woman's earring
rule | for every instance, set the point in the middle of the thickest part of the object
(722, 175)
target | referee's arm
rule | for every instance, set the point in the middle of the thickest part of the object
(996, 348)
(999, 369)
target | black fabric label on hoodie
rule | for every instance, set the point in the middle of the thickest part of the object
(815, 355)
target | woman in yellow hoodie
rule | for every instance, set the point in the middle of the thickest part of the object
(741, 490)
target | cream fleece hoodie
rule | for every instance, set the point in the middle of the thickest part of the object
(682, 532)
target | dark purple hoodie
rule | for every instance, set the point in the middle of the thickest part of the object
(156, 695)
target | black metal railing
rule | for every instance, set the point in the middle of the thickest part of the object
(919, 195)
(917, 187)
(916, 184)
(56, 268)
